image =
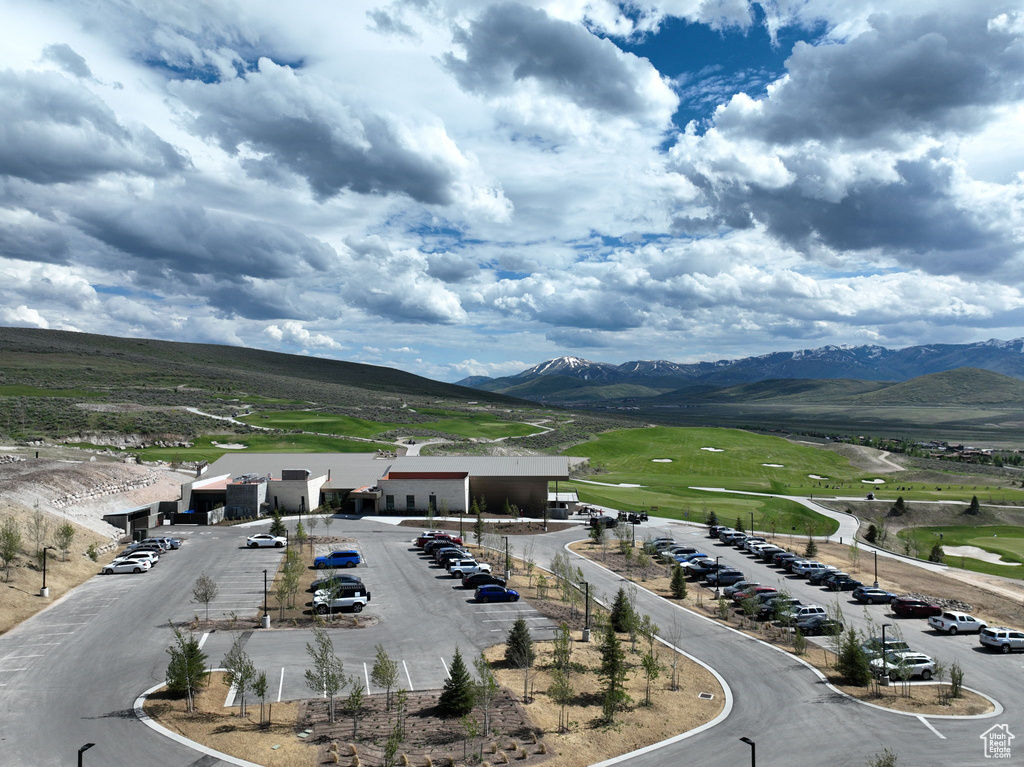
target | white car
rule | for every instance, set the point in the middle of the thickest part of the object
(469, 567)
(896, 664)
(265, 540)
(139, 556)
(953, 622)
(806, 568)
(126, 566)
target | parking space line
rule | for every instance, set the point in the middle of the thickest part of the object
(2, 670)
(409, 678)
(928, 724)
(366, 673)
(280, 685)
(60, 633)
(21, 657)
(203, 638)
(446, 671)
(506, 620)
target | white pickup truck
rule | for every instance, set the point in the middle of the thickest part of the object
(952, 622)
(460, 568)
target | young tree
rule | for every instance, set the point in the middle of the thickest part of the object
(313, 519)
(852, 663)
(64, 537)
(281, 590)
(328, 519)
(652, 668)
(10, 543)
(812, 548)
(458, 696)
(622, 611)
(678, 584)
(327, 677)
(241, 673)
(519, 645)
(487, 689)
(561, 692)
(937, 554)
(384, 674)
(186, 671)
(854, 554)
(259, 689)
(597, 534)
(204, 591)
(478, 527)
(353, 705)
(277, 526)
(530, 558)
(612, 672)
(300, 534)
(711, 519)
(39, 526)
(975, 508)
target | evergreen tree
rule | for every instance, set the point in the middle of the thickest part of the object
(277, 526)
(899, 508)
(186, 673)
(852, 663)
(612, 672)
(974, 509)
(812, 549)
(937, 554)
(711, 519)
(678, 585)
(519, 645)
(458, 696)
(622, 612)
(872, 534)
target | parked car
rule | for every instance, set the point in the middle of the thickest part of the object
(806, 568)
(955, 622)
(139, 556)
(842, 584)
(781, 558)
(264, 540)
(605, 522)
(873, 647)
(158, 544)
(724, 577)
(765, 552)
(818, 576)
(351, 598)
(714, 530)
(912, 607)
(155, 548)
(1001, 638)
(344, 558)
(684, 558)
(701, 567)
(873, 596)
(482, 579)
(803, 612)
(334, 582)
(469, 567)
(751, 540)
(730, 536)
(834, 575)
(739, 596)
(652, 546)
(126, 566)
(913, 663)
(816, 625)
(776, 607)
(739, 586)
(171, 543)
(788, 564)
(495, 593)
(448, 553)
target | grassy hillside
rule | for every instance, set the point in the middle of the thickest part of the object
(963, 386)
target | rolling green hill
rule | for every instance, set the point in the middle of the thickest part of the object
(963, 386)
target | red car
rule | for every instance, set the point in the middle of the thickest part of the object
(911, 607)
(739, 596)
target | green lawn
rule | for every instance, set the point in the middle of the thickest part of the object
(204, 449)
(1005, 540)
(483, 425)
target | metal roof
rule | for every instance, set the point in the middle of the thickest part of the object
(550, 466)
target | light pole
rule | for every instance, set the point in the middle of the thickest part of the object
(82, 750)
(266, 615)
(876, 568)
(45, 592)
(753, 751)
(507, 563)
(751, 531)
(717, 594)
(885, 661)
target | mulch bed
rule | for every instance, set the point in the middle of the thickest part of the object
(430, 740)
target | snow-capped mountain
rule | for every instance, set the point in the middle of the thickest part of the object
(868, 363)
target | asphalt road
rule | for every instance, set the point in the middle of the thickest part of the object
(69, 675)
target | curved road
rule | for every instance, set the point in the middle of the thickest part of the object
(69, 675)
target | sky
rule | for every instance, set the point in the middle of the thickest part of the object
(466, 187)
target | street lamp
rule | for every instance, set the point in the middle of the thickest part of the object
(266, 615)
(885, 670)
(751, 531)
(753, 751)
(45, 592)
(82, 750)
(717, 595)
(876, 568)
(507, 563)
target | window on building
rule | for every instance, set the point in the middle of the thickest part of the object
(389, 502)
(410, 503)
(432, 503)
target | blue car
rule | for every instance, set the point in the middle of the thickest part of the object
(349, 558)
(494, 593)
(687, 557)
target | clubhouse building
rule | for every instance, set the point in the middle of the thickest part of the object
(254, 484)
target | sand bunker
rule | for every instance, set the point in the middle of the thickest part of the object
(816, 476)
(661, 460)
(975, 553)
(713, 449)
(229, 445)
(773, 465)
(873, 481)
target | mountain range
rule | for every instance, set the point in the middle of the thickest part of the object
(575, 380)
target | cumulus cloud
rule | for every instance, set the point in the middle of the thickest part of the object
(54, 131)
(294, 334)
(510, 43)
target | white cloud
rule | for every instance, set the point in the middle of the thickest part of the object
(294, 334)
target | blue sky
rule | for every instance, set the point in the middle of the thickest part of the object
(458, 189)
